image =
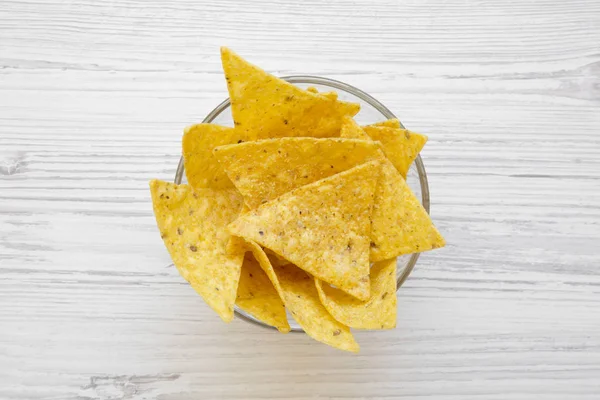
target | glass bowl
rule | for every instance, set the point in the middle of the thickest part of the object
(371, 111)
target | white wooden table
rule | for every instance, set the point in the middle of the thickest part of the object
(93, 99)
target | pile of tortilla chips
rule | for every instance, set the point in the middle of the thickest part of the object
(295, 210)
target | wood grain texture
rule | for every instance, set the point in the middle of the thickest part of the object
(93, 99)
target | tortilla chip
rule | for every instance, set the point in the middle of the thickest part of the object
(192, 224)
(265, 262)
(268, 107)
(266, 169)
(400, 146)
(257, 296)
(351, 130)
(331, 95)
(275, 259)
(236, 244)
(379, 312)
(390, 123)
(400, 224)
(201, 167)
(300, 297)
(322, 227)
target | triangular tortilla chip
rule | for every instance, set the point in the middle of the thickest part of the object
(400, 146)
(192, 224)
(257, 296)
(322, 227)
(400, 224)
(266, 169)
(201, 168)
(379, 312)
(270, 107)
(350, 129)
(300, 296)
(390, 123)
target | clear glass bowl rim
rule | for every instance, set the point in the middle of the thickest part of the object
(317, 80)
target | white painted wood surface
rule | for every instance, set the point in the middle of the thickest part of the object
(93, 99)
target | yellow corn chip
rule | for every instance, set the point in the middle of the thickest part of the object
(322, 227)
(192, 224)
(265, 262)
(303, 301)
(300, 297)
(379, 312)
(257, 296)
(350, 129)
(237, 244)
(399, 145)
(266, 169)
(331, 95)
(275, 259)
(400, 224)
(268, 107)
(201, 167)
(390, 123)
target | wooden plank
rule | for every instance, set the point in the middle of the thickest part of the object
(94, 99)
